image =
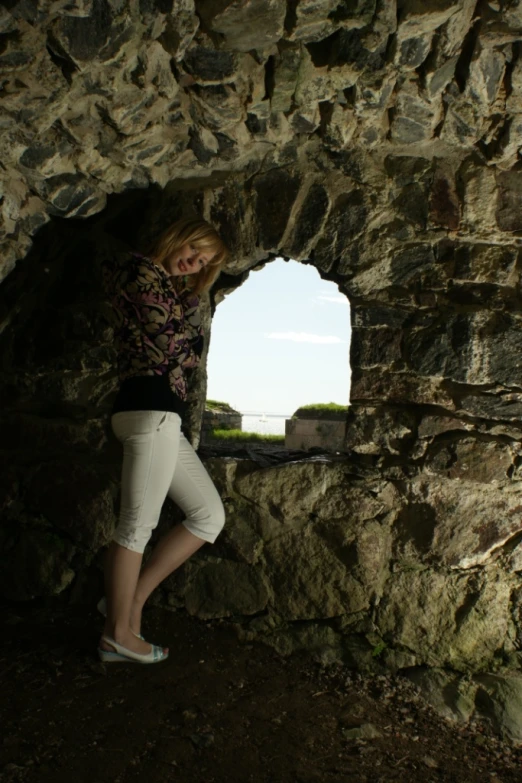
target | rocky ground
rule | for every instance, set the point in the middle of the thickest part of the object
(216, 711)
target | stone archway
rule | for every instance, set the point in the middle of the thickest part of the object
(424, 471)
(380, 144)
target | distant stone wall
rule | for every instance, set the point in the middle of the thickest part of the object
(315, 433)
(219, 420)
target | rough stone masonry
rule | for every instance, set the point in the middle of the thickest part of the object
(378, 141)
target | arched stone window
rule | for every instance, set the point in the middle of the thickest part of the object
(280, 341)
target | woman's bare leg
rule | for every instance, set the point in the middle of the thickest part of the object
(193, 491)
(122, 570)
(169, 553)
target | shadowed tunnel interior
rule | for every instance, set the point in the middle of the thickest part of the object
(378, 142)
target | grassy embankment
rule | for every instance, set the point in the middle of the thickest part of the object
(216, 405)
(247, 436)
(321, 410)
(235, 435)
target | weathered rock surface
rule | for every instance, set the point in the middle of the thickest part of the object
(101, 98)
(378, 141)
(356, 560)
(493, 698)
(452, 696)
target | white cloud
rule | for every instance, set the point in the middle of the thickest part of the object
(303, 337)
(337, 299)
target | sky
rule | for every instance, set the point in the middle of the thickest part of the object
(279, 341)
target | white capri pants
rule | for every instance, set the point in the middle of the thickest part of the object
(158, 461)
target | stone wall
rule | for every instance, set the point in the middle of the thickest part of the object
(378, 142)
(219, 420)
(315, 433)
(377, 567)
(353, 561)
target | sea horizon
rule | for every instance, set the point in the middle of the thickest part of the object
(264, 423)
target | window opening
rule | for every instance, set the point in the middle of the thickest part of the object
(280, 341)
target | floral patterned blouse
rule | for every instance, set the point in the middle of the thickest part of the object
(158, 331)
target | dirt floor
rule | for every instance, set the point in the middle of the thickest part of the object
(217, 711)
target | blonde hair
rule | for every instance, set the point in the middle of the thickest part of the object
(202, 236)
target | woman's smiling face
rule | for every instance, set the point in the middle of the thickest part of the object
(187, 261)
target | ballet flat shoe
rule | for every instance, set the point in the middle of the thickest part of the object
(121, 653)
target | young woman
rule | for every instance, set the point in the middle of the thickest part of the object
(159, 338)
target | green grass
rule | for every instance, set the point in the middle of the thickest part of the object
(324, 406)
(221, 406)
(247, 436)
(321, 409)
(379, 649)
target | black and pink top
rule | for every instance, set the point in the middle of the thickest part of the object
(158, 332)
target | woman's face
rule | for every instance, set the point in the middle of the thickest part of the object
(187, 261)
